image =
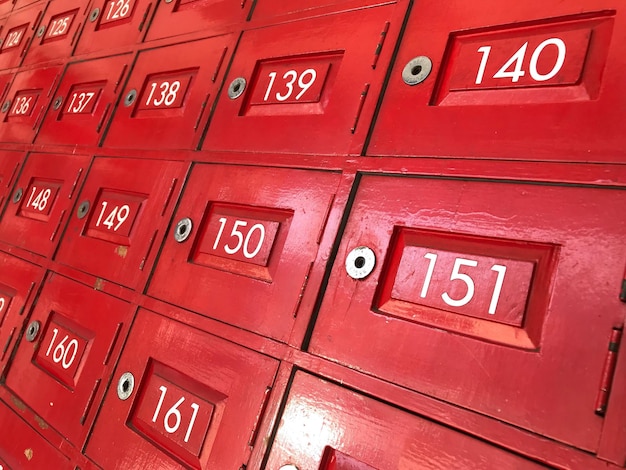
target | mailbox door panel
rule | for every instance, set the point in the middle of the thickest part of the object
(131, 201)
(499, 297)
(26, 449)
(310, 86)
(10, 163)
(251, 244)
(539, 80)
(71, 358)
(170, 94)
(19, 281)
(84, 101)
(186, 16)
(17, 34)
(112, 24)
(27, 100)
(58, 32)
(218, 387)
(42, 201)
(344, 430)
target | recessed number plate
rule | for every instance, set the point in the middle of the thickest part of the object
(114, 216)
(175, 409)
(39, 199)
(62, 349)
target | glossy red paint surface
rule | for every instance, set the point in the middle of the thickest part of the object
(529, 375)
(19, 282)
(58, 32)
(25, 448)
(327, 427)
(187, 16)
(175, 88)
(247, 280)
(112, 24)
(48, 185)
(350, 52)
(27, 100)
(130, 203)
(80, 336)
(17, 34)
(227, 386)
(556, 100)
(84, 101)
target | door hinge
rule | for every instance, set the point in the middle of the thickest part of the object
(608, 371)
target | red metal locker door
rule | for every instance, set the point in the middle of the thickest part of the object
(19, 283)
(180, 398)
(72, 342)
(18, 33)
(42, 200)
(327, 427)
(114, 23)
(186, 16)
(10, 163)
(84, 101)
(58, 32)
(250, 237)
(535, 80)
(125, 207)
(170, 94)
(500, 297)
(27, 100)
(308, 86)
(25, 448)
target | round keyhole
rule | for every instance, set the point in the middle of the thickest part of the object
(32, 331)
(130, 97)
(125, 386)
(417, 70)
(360, 262)
(236, 88)
(94, 14)
(183, 230)
(82, 210)
(17, 196)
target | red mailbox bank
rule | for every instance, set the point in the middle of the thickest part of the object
(314, 235)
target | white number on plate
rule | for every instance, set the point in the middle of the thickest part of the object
(173, 417)
(305, 80)
(465, 278)
(118, 214)
(516, 62)
(81, 100)
(168, 93)
(118, 9)
(22, 105)
(59, 27)
(242, 242)
(2, 304)
(61, 353)
(13, 39)
(41, 200)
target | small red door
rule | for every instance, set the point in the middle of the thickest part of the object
(10, 163)
(25, 448)
(180, 398)
(536, 80)
(308, 86)
(17, 34)
(327, 427)
(84, 101)
(170, 93)
(500, 297)
(249, 236)
(71, 344)
(124, 210)
(58, 32)
(42, 201)
(26, 103)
